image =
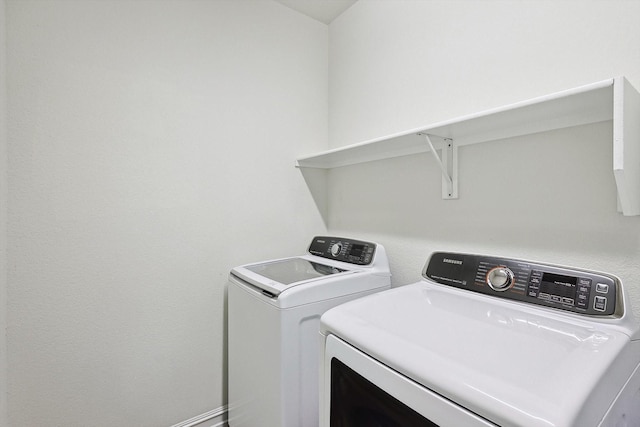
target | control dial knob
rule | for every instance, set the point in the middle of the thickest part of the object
(336, 248)
(500, 278)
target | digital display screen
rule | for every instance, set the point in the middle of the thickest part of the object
(356, 250)
(559, 288)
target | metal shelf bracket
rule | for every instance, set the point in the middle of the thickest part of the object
(448, 165)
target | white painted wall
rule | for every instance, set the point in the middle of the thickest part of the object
(151, 149)
(398, 65)
(3, 217)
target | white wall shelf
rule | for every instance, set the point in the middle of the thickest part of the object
(613, 99)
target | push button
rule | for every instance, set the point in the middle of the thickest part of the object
(603, 288)
(600, 303)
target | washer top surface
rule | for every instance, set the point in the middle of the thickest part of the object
(277, 276)
(510, 362)
(330, 262)
(292, 270)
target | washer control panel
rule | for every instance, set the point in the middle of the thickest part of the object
(564, 288)
(341, 249)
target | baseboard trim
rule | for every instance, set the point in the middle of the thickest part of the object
(214, 418)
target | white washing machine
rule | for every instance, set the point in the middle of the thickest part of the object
(274, 310)
(485, 341)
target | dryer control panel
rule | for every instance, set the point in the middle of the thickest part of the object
(341, 249)
(564, 288)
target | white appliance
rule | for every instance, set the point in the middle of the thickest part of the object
(485, 341)
(274, 310)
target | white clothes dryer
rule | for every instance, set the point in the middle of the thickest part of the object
(274, 310)
(485, 341)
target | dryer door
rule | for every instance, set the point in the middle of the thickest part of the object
(358, 390)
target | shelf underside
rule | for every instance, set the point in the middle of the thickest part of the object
(612, 99)
(587, 104)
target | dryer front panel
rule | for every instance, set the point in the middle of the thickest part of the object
(358, 390)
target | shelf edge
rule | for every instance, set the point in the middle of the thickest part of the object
(626, 146)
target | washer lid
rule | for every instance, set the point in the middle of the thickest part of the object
(278, 275)
(510, 363)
